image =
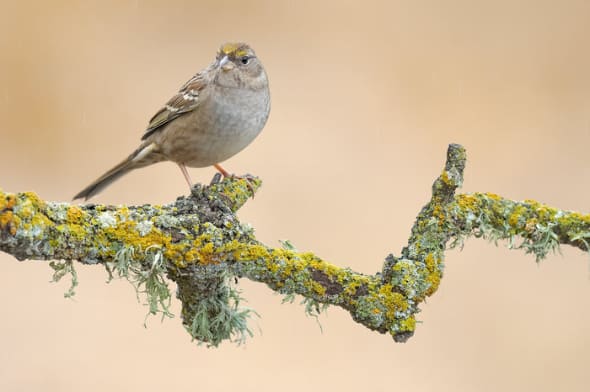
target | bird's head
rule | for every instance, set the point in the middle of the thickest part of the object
(238, 66)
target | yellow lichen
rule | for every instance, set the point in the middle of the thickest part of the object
(329, 269)
(531, 224)
(352, 287)
(207, 254)
(401, 268)
(516, 217)
(467, 202)
(318, 288)
(7, 202)
(543, 211)
(237, 192)
(74, 214)
(5, 218)
(408, 325)
(575, 217)
(393, 301)
(493, 196)
(434, 280)
(430, 262)
(9, 222)
(445, 178)
(438, 212)
(574, 220)
(34, 199)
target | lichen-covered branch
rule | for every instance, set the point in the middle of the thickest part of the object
(199, 243)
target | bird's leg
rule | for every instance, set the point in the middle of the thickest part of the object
(223, 172)
(187, 177)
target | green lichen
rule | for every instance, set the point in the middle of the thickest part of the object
(237, 191)
(198, 243)
(527, 225)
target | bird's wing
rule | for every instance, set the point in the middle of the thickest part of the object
(184, 101)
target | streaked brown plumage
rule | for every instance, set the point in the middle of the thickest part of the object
(214, 115)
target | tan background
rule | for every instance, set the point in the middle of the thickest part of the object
(366, 97)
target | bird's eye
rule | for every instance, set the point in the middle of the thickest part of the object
(245, 60)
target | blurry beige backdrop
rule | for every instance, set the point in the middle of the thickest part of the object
(366, 97)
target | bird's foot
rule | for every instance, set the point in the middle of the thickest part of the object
(250, 181)
(248, 177)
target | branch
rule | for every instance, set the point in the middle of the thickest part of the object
(199, 243)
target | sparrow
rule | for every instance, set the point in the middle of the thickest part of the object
(214, 115)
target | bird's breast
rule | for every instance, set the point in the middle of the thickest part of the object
(223, 124)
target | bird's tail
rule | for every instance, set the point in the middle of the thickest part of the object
(143, 156)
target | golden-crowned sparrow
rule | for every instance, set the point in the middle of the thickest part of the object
(215, 115)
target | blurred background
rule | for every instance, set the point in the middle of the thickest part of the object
(366, 96)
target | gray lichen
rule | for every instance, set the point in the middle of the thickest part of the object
(198, 243)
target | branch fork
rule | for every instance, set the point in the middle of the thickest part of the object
(199, 243)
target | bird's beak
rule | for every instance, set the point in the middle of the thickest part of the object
(225, 64)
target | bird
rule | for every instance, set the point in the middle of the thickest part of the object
(214, 115)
